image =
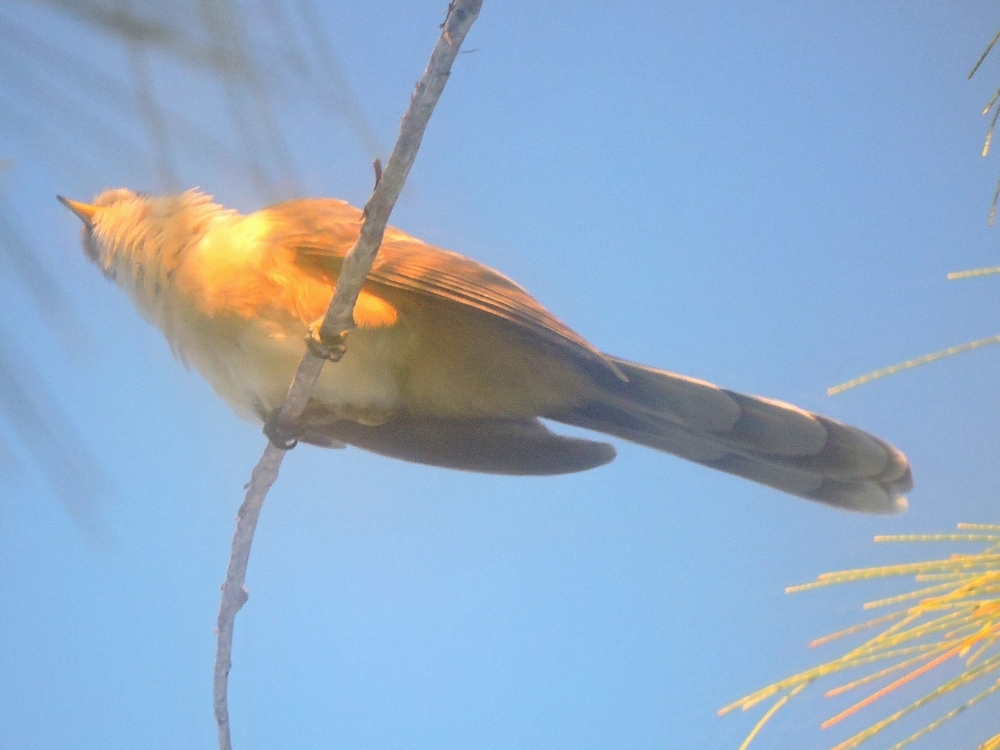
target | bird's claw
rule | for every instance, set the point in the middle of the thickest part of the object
(280, 436)
(332, 348)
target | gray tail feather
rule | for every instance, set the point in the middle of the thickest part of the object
(760, 439)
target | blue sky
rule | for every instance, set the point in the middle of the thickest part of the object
(764, 195)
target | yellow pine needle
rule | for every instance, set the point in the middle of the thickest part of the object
(958, 626)
(939, 604)
(989, 133)
(958, 650)
(834, 692)
(955, 275)
(991, 607)
(927, 577)
(845, 662)
(962, 679)
(953, 564)
(803, 678)
(771, 712)
(893, 639)
(855, 629)
(890, 687)
(982, 649)
(917, 361)
(991, 102)
(985, 583)
(937, 538)
(980, 588)
(969, 633)
(951, 351)
(919, 593)
(887, 636)
(981, 583)
(950, 715)
(964, 587)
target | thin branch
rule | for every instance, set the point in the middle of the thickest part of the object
(339, 316)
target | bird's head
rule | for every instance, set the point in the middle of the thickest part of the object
(138, 240)
(110, 223)
(121, 222)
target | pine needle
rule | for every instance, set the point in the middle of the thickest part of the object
(955, 620)
(771, 712)
(911, 363)
(956, 275)
(982, 57)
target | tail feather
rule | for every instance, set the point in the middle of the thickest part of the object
(775, 427)
(760, 439)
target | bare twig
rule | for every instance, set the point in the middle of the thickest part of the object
(339, 315)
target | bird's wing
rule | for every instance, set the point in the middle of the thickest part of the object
(320, 232)
(492, 446)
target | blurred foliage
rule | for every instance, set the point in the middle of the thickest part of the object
(88, 93)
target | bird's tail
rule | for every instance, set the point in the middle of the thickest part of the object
(760, 439)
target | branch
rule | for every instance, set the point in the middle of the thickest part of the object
(339, 317)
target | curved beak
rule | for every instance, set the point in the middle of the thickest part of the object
(83, 210)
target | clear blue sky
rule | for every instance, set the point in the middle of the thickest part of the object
(764, 195)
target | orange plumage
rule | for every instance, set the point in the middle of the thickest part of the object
(451, 363)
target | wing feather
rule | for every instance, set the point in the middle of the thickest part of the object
(320, 231)
(492, 446)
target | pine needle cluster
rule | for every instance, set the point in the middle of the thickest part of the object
(952, 615)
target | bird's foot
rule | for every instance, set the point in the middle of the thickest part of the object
(327, 347)
(281, 436)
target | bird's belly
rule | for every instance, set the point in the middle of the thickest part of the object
(464, 367)
(364, 385)
(251, 367)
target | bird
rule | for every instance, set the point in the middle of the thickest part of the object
(448, 362)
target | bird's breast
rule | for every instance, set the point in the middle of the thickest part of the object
(251, 362)
(239, 312)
